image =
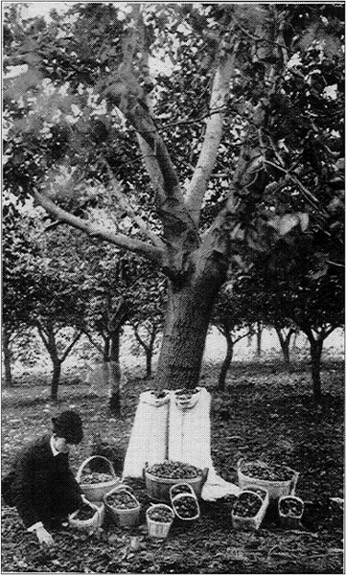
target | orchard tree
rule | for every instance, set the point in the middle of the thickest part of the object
(302, 295)
(43, 291)
(148, 314)
(233, 317)
(217, 127)
(18, 289)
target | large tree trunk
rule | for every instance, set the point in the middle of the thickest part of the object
(186, 326)
(226, 362)
(7, 355)
(115, 345)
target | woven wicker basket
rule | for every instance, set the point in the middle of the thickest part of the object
(159, 487)
(97, 491)
(180, 496)
(95, 521)
(290, 520)
(251, 523)
(123, 517)
(159, 529)
(275, 488)
(174, 491)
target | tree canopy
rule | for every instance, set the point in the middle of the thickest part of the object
(209, 130)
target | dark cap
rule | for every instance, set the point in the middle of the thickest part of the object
(68, 425)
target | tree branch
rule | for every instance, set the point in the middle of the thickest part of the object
(93, 230)
(69, 347)
(130, 211)
(213, 134)
(92, 341)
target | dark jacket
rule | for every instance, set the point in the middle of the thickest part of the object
(40, 485)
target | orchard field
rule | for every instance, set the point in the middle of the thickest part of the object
(266, 412)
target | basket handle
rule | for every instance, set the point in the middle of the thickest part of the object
(87, 461)
(122, 487)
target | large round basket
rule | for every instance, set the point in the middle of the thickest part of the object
(159, 487)
(275, 488)
(97, 491)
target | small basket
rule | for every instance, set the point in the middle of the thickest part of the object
(180, 496)
(96, 491)
(275, 488)
(290, 520)
(92, 523)
(254, 522)
(123, 517)
(159, 529)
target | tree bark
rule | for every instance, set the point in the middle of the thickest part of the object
(259, 339)
(115, 346)
(106, 349)
(7, 355)
(187, 320)
(55, 380)
(316, 346)
(226, 362)
(148, 362)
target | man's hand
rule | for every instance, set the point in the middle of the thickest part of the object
(44, 537)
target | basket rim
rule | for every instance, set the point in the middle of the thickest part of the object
(159, 505)
(98, 485)
(242, 472)
(290, 514)
(250, 489)
(115, 490)
(168, 480)
(264, 504)
(291, 497)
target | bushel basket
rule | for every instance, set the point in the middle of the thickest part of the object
(159, 487)
(97, 491)
(275, 488)
(123, 516)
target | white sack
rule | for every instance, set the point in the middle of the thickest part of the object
(189, 440)
(149, 435)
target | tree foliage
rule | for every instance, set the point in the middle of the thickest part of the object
(214, 129)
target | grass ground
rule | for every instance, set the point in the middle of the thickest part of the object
(265, 412)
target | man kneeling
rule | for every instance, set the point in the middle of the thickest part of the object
(41, 484)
